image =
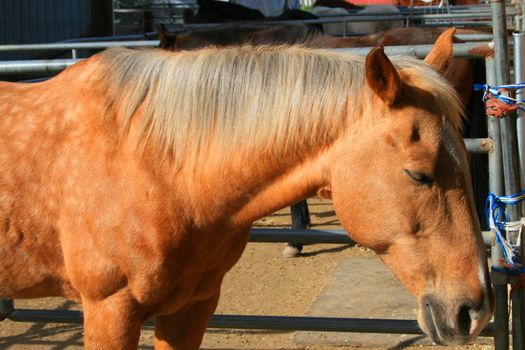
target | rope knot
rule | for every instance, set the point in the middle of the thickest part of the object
(498, 220)
(498, 102)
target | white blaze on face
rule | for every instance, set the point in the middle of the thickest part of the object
(450, 142)
(454, 149)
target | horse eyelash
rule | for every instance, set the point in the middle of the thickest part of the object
(419, 177)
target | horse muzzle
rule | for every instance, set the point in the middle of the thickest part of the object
(456, 323)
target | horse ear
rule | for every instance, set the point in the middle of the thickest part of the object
(161, 32)
(441, 54)
(381, 76)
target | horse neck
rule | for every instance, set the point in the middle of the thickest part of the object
(245, 189)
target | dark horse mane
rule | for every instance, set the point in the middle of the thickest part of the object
(239, 33)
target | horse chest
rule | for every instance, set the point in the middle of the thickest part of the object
(192, 272)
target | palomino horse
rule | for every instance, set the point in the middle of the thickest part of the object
(129, 182)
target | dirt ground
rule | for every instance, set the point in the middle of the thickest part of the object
(262, 283)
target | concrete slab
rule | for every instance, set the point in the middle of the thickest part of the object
(363, 288)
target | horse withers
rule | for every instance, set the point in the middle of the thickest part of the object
(129, 182)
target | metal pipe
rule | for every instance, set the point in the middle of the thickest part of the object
(130, 37)
(461, 24)
(344, 29)
(510, 151)
(479, 145)
(519, 76)
(144, 43)
(326, 324)
(77, 46)
(499, 280)
(35, 66)
(508, 123)
(316, 324)
(310, 236)
(501, 311)
(518, 295)
(364, 18)
(283, 323)
(474, 37)
(54, 66)
(493, 127)
(420, 51)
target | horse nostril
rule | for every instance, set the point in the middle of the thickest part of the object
(464, 320)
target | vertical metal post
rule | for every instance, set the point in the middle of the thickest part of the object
(493, 129)
(501, 306)
(499, 280)
(509, 150)
(507, 124)
(519, 77)
(518, 295)
(6, 307)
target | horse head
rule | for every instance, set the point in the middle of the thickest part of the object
(404, 190)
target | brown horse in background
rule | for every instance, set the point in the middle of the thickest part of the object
(237, 34)
(129, 182)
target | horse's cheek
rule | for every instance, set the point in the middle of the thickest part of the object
(365, 226)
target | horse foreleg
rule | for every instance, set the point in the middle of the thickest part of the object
(184, 329)
(112, 323)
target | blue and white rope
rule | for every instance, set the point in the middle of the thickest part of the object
(498, 220)
(496, 92)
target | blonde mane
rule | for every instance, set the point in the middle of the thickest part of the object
(249, 98)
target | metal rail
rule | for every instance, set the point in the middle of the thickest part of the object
(144, 43)
(311, 236)
(77, 46)
(352, 18)
(56, 65)
(281, 323)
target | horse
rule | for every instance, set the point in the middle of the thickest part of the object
(129, 181)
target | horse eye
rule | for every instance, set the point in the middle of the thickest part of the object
(419, 177)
